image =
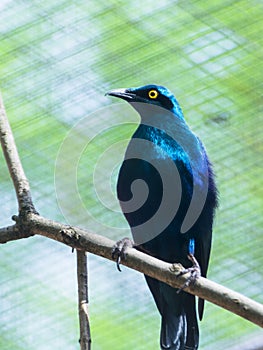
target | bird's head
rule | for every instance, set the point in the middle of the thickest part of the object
(151, 94)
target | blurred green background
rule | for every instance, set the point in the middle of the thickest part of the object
(57, 60)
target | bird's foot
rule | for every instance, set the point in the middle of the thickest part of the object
(194, 271)
(119, 250)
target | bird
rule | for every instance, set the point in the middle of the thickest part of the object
(168, 195)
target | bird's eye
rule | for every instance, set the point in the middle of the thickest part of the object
(153, 94)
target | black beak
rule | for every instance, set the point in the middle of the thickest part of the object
(125, 94)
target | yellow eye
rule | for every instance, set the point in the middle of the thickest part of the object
(153, 94)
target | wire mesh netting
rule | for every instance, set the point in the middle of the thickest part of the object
(57, 60)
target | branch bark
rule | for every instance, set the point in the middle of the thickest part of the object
(165, 272)
(30, 223)
(16, 171)
(84, 325)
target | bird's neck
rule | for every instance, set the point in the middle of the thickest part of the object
(178, 111)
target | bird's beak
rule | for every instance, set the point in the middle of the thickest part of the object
(125, 94)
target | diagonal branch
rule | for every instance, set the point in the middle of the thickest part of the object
(165, 272)
(16, 171)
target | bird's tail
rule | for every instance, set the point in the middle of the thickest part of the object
(180, 332)
(173, 333)
(179, 329)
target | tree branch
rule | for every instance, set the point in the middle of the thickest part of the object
(165, 272)
(12, 233)
(82, 272)
(16, 171)
(26, 206)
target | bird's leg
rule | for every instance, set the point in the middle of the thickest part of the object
(119, 250)
(194, 271)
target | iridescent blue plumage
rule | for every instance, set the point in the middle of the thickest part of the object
(175, 218)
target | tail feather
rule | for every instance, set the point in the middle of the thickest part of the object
(180, 332)
(192, 338)
(179, 329)
(173, 333)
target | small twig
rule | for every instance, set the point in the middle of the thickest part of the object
(82, 272)
(16, 171)
(12, 233)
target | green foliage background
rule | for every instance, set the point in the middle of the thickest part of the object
(57, 59)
